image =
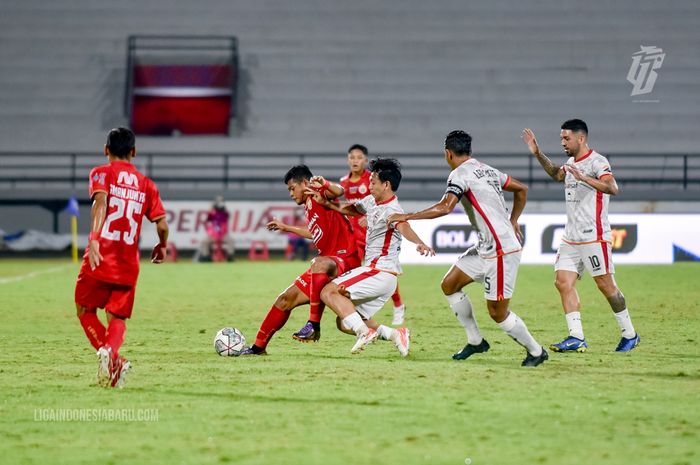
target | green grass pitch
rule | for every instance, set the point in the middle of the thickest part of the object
(317, 404)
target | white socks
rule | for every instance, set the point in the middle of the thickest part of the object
(386, 333)
(462, 308)
(512, 325)
(355, 323)
(515, 328)
(573, 321)
(623, 319)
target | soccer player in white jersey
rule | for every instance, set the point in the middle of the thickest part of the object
(494, 261)
(586, 243)
(360, 293)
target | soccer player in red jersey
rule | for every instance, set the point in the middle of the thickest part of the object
(121, 197)
(356, 187)
(333, 236)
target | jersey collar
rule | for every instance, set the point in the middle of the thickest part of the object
(364, 175)
(121, 162)
(387, 200)
(585, 156)
(467, 161)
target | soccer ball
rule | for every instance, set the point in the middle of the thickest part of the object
(229, 342)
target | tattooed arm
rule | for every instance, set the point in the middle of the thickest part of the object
(554, 171)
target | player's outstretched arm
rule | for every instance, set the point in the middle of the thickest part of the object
(606, 184)
(277, 225)
(442, 208)
(98, 213)
(407, 231)
(160, 251)
(519, 191)
(554, 171)
(344, 208)
(329, 190)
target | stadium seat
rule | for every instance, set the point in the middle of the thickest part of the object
(258, 251)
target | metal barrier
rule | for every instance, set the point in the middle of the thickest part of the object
(259, 175)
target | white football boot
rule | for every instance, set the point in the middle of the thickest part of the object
(402, 340)
(119, 372)
(363, 340)
(104, 366)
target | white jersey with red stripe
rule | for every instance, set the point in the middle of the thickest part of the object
(586, 207)
(383, 241)
(480, 187)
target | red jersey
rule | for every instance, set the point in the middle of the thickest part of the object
(130, 197)
(354, 191)
(331, 231)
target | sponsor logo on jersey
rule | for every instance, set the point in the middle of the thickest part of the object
(316, 233)
(128, 179)
(99, 178)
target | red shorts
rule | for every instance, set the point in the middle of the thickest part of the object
(92, 293)
(343, 264)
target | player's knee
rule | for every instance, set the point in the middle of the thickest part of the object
(327, 292)
(563, 285)
(80, 310)
(497, 312)
(113, 316)
(321, 265)
(283, 302)
(448, 286)
(606, 287)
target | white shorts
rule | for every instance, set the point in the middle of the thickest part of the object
(596, 258)
(497, 274)
(369, 288)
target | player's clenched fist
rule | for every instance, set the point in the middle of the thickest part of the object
(159, 253)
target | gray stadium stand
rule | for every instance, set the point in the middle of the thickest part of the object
(318, 76)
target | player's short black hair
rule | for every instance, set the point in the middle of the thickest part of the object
(387, 169)
(359, 147)
(459, 143)
(298, 173)
(575, 125)
(120, 141)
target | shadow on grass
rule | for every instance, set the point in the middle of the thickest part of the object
(273, 399)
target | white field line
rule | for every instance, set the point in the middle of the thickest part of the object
(33, 274)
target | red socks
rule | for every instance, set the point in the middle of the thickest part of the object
(94, 329)
(112, 336)
(396, 297)
(273, 322)
(318, 280)
(115, 335)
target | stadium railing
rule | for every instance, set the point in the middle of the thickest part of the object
(258, 176)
